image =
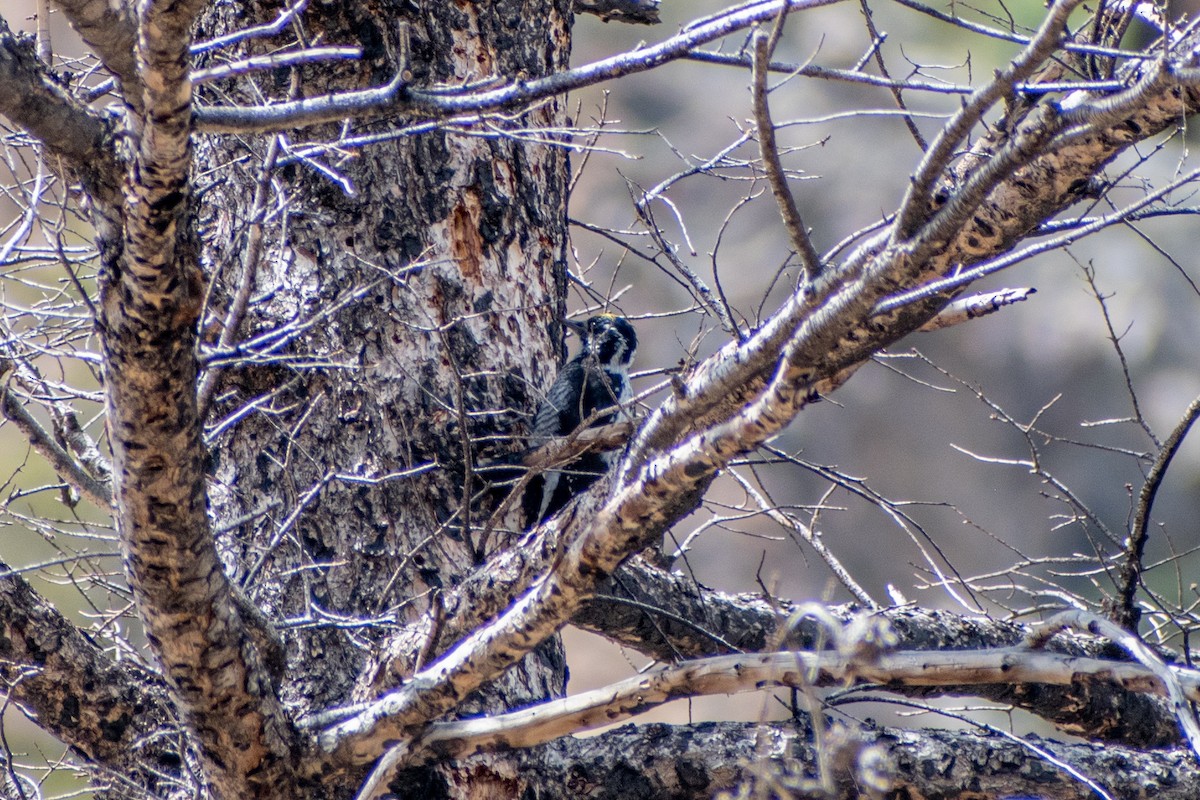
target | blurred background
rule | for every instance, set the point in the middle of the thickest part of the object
(916, 426)
(942, 427)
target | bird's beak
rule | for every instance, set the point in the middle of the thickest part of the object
(580, 328)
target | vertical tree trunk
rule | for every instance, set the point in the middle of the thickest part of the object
(424, 300)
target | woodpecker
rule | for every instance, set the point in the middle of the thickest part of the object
(596, 379)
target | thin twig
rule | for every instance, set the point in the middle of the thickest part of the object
(897, 92)
(1090, 275)
(309, 55)
(697, 284)
(811, 538)
(907, 84)
(268, 29)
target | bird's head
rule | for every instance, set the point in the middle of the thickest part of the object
(610, 339)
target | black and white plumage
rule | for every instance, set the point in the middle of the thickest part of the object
(594, 380)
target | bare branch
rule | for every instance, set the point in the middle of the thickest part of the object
(1125, 612)
(285, 17)
(118, 722)
(810, 260)
(636, 12)
(292, 58)
(33, 100)
(745, 673)
(390, 99)
(989, 267)
(916, 203)
(714, 303)
(300, 113)
(897, 93)
(975, 306)
(561, 451)
(753, 624)
(42, 441)
(1012, 36)
(232, 323)
(807, 70)
(811, 538)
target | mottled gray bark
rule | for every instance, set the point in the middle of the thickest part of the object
(695, 762)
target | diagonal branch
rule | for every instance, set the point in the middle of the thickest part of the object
(1012, 210)
(110, 30)
(61, 461)
(30, 98)
(117, 722)
(810, 260)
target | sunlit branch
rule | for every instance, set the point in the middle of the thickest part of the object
(397, 98)
(992, 266)
(309, 55)
(974, 306)
(754, 672)
(915, 205)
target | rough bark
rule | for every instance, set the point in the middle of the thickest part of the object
(110, 30)
(116, 714)
(32, 98)
(150, 298)
(432, 294)
(697, 761)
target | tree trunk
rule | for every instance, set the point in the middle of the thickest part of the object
(407, 330)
